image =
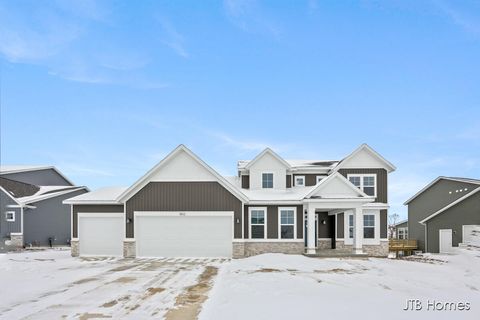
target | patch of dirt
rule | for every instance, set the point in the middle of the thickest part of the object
(423, 260)
(109, 304)
(189, 303)
(45, 259)
(151, 291)
(87, 316)
(267, 270)
(124, 280)
(337, 270)
(85, 280)
(123, 268)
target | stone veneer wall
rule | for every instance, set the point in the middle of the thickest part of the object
(254, 248)
(238, 250)
(129, 249)
(324, 244)
(380, 250)
(16, 240)
(74, 248)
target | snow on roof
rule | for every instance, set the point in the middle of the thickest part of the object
(47, 192)
(102, 195)
(21, 168)
(295, 164)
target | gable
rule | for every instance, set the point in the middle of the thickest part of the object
(182, 167)
(40, 177)
(363, 159)
(336, 186)
(266, 162)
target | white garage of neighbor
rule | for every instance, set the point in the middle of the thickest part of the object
(101, 234)
(183, 234)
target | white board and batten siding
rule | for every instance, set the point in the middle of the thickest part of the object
(183, 234)
(101, 234)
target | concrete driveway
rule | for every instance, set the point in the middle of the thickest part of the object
(52, 285)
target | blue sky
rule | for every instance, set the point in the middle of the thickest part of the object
(103, 90)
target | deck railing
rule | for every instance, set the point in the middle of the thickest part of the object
(402, 245)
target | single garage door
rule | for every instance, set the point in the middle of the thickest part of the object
(101, 234)
(199, 234)
(471, 234)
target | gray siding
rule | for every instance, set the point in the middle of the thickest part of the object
(50, 218)
(383, 223)
(95, 208)
(184, 196)
(310, 179)
(7, 227)
(402, 225)
(47, 177)
(465, 213)
(245, 181)
(272, 220)
(382, 181)
(430, 201)
(288, 182)
(340, 225)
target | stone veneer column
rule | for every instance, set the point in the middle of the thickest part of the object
(129, 248)
(16, 240)
(238, 250)
(74, 248)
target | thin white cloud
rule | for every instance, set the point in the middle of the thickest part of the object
(461, 17)
(250, 17)
(172, 38)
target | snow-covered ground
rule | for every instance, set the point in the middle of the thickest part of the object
(51, 285)
(276, 286)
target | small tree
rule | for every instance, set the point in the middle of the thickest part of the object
(392, 221)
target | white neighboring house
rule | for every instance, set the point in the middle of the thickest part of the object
(183, 207)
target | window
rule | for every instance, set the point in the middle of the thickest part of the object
(369, 226)
(402, 233)
(365, 182)
(287, 223)
(319, 178)
(300, 181)
(350, 226)
(257, 223)
(267, 180)
(10, 216)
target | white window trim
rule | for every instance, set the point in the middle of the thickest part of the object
(13, 215)
(250, 222)
(299, 177)
(362, 176)
(294, 209)
(372, 241)
(273, 179)
(364, 226)
(318, 179)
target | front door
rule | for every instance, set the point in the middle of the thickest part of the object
(332, 226)
(445, 239)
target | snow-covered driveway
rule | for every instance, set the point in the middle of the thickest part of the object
(52, 285)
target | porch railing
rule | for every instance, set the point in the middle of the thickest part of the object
(402, 245)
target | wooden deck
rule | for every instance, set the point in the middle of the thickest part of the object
(405, 245)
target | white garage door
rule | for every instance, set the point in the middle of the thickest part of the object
(471, 234)
(101, 234)
(198, 234)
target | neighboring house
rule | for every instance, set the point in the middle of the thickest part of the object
(183, 207)
(31, 206)
(445, 213)
(401, 230)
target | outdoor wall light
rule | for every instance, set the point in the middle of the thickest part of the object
(324, 222)
(129, 220)
(237, 220)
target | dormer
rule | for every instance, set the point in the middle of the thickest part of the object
(266, 171)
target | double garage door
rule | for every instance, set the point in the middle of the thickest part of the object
(159, 234)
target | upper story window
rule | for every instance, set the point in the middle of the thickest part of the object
(267, 180)
(10, 216)
(365, 182)
(319, 178)
(300, 181)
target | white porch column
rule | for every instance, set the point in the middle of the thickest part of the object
(311, 230)
(358, 230)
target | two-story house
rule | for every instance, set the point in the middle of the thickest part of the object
(183, 207)
(32, 212)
